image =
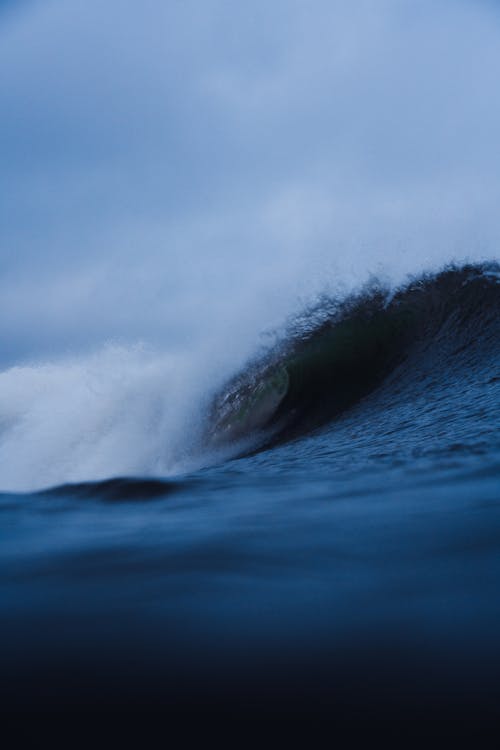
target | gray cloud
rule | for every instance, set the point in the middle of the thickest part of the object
(173, 169)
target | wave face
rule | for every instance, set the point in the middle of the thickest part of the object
(448, 322)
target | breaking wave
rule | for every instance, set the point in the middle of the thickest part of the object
(132, 412)
(338, 352)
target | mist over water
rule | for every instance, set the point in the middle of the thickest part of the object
(177, 180)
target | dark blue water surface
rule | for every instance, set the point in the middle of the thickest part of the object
(357, 565)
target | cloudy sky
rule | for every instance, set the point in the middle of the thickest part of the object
(168, 169)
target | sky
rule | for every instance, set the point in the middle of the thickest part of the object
(155, 156)
(184, 175)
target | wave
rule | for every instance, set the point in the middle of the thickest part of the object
(138, 413)
(337, 352)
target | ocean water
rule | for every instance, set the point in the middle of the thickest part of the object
(250, 358)
(347, 562)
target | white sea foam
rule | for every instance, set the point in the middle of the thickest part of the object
(119, 412)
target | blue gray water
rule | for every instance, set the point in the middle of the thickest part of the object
(249, 432)
(367, 547)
